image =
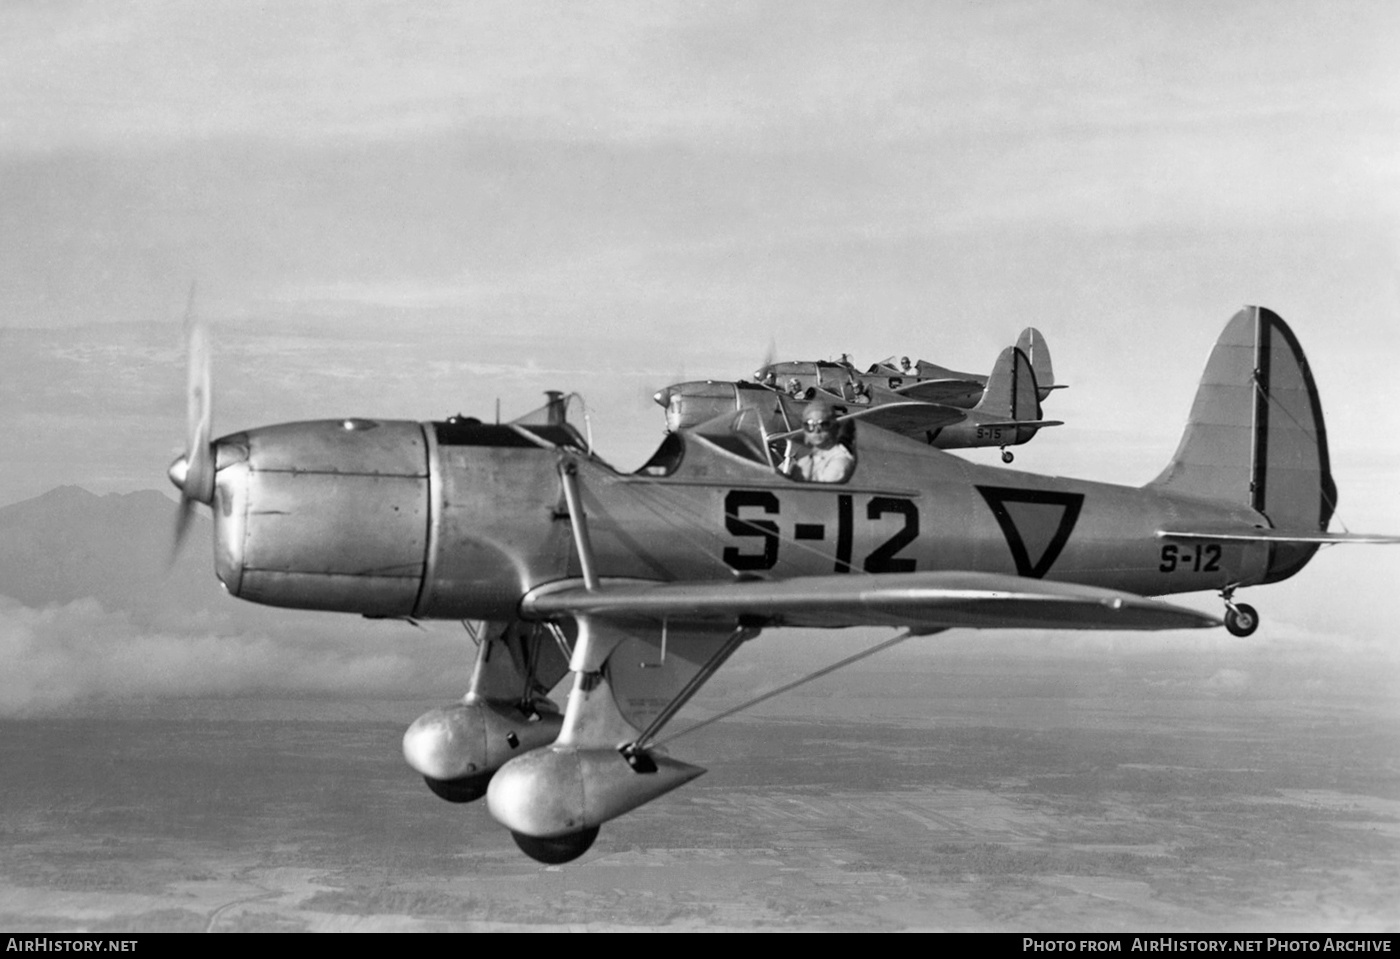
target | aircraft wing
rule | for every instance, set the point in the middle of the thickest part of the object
(908, 417)
(1276, 536)
(922, 601)
(940, 391)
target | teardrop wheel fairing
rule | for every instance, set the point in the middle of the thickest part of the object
(466, 789)
(556, 849)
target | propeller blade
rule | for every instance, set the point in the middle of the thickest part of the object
(183, 520)
(199, 455)
(193, 471)
(770, 356)
(198, 482)
(662, 397)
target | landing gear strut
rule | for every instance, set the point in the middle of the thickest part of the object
(1241, 619)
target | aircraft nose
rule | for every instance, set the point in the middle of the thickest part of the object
(662, 397)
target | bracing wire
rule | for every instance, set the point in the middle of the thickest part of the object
(792, 685)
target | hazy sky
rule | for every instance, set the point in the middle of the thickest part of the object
(407, 210)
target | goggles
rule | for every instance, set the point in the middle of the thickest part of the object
(811, 426)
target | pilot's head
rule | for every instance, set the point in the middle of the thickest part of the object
(904, 363)
(794, 386)
(819, 425)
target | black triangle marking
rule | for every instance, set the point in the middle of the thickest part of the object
(1034, 522)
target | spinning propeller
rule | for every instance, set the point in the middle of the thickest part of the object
(193, 471)
(770, 357)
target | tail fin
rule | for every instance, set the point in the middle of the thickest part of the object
(1011, 388)
(1256, 435)
(1031, 343)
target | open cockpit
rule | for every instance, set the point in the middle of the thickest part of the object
(738, 441)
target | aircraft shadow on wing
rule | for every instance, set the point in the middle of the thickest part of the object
(642, 584)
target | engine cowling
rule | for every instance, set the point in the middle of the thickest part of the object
(324, 515)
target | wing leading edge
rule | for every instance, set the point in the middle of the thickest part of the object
(1277, 536)
(919, 601)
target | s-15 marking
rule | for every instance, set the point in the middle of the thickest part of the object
(745, 511)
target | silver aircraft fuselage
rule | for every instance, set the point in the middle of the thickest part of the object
(460, 520)
(944, 427)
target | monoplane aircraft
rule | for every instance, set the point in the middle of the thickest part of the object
(914, 381)
(1007, 412)
(642, 584)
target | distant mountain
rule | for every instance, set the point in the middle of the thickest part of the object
(69, 544)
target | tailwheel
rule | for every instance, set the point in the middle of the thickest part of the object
(1007, 456)
(556, 849)
(1241, 619)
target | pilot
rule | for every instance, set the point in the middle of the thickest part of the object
(855, 390)
(904, 365)
(794, 387)
(826, 461)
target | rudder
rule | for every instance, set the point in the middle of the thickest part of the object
(1011, 390)
(1256, 434)
(1031, 343)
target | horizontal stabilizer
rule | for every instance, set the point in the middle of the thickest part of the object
(1037, 424)
(920, 601)
(1277, 536)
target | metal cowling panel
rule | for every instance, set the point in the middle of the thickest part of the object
(335, 523)
(331, 515)
(375, 447)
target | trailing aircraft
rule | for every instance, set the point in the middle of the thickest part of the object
(1007, 412)
(642, 584)
(914, 381)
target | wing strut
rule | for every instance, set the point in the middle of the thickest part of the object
(633, 752)
(792, 685)
(568, 474)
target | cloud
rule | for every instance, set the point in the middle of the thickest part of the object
(1228, 679)
(829, 75)
(62, 658)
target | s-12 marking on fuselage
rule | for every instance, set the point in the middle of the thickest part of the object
(642, 584)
